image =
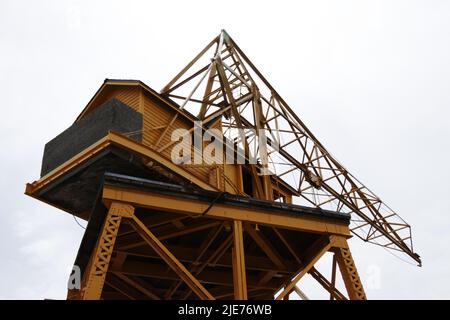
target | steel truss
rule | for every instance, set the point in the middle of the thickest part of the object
(221, 85)
(108, 262)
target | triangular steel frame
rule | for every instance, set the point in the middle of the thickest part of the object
(222, 84)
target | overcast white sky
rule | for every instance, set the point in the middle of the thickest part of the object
(371, 79)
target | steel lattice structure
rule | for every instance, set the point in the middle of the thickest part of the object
(222, 84)
(250, 224)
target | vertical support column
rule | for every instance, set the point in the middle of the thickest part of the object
(262, 143)
(333, 276)
(97, 268)
(349, 273)
(239, 276)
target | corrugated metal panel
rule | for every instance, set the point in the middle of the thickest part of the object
(128, 95)
(157, 115)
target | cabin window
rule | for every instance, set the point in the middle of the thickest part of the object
(247, 182)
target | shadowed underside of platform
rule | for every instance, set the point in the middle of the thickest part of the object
(200, 235)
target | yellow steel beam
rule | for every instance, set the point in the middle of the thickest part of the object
(316, 252)
(287, 245)
(265, 246)
(212, 259)
(327, 285)
(239, 276)
(333, 275)
(210, 276)
(171, 260)
(189, 65)
(330, 287)
(95, 274)
(122, 288)
(189, 255)
(212, 235)
(144, 288)
(132, 241)
(349, 274)
(156, 201)
(255, 177)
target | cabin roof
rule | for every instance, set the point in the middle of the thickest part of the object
(133, 83)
